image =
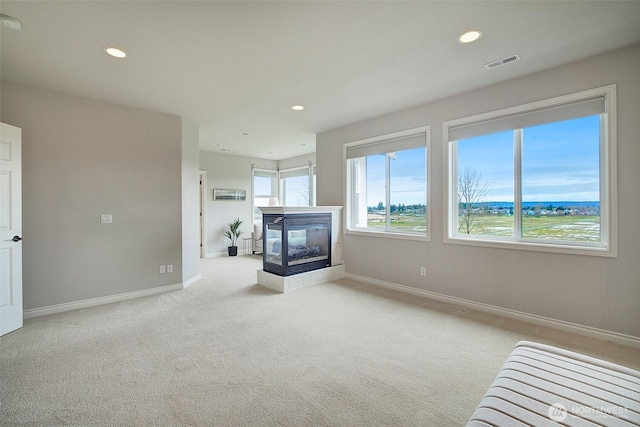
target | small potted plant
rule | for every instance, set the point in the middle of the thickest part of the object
(232, 233)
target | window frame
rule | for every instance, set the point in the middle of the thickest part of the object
(607, 246)
(347, 179)
(310, 174)
(274, 186)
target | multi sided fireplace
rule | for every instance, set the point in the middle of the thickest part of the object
(295, 243)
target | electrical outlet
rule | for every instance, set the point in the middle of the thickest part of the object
(163, 269)
(423, 271)
(170, 268)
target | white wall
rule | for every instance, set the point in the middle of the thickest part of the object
(83, 158)
(234, 172)
(297, 161)
(229, 172)
(190, 201)
(602, 293)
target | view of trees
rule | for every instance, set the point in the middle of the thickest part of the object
(411, 218)
(400, 208)
(547, 220)
(574, 221)
(471, 190)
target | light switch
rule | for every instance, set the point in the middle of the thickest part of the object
(106, 219)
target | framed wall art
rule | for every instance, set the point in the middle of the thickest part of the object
(226, 194)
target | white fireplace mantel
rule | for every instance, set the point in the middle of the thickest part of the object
(283, 210)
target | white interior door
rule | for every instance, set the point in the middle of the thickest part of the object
(10, 228)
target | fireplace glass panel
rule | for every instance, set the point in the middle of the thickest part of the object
(273, 250)
(307, 239)
(307, 244)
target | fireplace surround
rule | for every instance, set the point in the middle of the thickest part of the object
(301, 246)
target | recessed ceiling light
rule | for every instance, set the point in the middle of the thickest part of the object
(115, 52)
(469, 36)
(10, 22)
(297, 107)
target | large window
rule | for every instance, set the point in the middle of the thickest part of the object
(387, 185)
(297, 186)
(539, 176)
(265, 188)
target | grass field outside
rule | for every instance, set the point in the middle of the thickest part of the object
(576, 228)
(412, 223)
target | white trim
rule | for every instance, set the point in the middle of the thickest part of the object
(538, 246)
(203, 210)
(191, 281)
(92, 302)
(284, 210)
(601, 334)
(609, 163)
(312, 184)
(387, 234)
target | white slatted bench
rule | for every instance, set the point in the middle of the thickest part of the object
(540, 385)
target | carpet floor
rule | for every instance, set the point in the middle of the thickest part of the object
(227, 352)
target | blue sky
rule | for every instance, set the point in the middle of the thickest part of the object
(407, 178)
(560, 163)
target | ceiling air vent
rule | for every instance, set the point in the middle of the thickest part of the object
(501, 62)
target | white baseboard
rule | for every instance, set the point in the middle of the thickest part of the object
(191, 281)
(92, 302)
(622, 339)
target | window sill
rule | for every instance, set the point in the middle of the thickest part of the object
(388, 235)
(599, 251)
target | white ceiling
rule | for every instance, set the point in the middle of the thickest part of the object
(237, 67)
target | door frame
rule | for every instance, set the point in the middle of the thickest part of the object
(11, 309)
(203, 214)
